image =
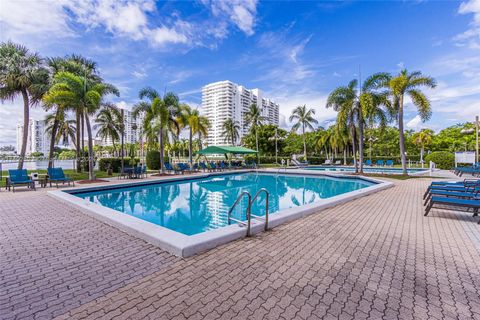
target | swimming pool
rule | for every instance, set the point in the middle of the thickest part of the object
(186, 215)
(198, 205)
(381, 170)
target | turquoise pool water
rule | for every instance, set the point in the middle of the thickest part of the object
(384, 170)
(196, 205)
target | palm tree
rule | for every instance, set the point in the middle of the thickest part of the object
(64, 129)
(230, 130)
(359, 108)
(160, 116)
(109, 123)
(254, 119)
(371, 110)
(422, 139)
(304, 119)
(84, 95)
(22, 73)
(196, 124)
(344, 101)
(406, 83)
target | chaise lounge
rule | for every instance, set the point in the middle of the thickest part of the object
(56, 175)
(19, 178)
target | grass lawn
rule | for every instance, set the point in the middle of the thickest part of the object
(68, 172)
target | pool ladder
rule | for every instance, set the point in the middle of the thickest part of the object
(249, 213)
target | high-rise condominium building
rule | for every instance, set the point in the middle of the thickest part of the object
(38, 140)
(132, 129)
(227, 100)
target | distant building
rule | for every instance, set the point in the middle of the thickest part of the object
(132, 129)
(227, 100)
(38, 140)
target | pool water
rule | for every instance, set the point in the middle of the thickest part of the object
(383, 170)
(196, 205)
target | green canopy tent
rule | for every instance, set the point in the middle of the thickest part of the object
(226, 150)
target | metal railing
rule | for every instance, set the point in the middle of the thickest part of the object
(249, 214)
(267, 195)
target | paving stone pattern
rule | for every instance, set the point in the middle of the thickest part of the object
(373, 258)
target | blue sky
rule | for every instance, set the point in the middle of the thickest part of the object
(296, 52)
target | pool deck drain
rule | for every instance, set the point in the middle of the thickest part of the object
(374, 257)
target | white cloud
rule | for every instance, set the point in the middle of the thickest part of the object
(241, 12)
(415, 123)
(471, 37)
(134, 19)
(20, 18)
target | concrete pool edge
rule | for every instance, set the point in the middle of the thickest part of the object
(184, 246)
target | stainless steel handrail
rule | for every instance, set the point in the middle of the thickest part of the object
(267, 195)
(249, 218)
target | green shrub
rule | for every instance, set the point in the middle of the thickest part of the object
(153, 160)
(443, 159)
(114, 163)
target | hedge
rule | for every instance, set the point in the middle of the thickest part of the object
(443, 159)
(115, 163)
(153, 160)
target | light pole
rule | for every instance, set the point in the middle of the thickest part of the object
(276, 138)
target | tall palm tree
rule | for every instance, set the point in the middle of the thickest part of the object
(422, 139)
(254, 119)
(160, 115)
(305, 119)
(344, 101)
(22, 73)
(230, 130)
(373, 108)
(407, 84)
(109, 123)
(196, 124)
(83, 94)
(65, 129)
(359, 107)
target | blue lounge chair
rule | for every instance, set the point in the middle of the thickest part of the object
(126, 172)
(213, 166)
(168, 167)
(368, 162)
(464, 194)
(389, 163)
(144, 171)
(19, 178)
(56, 175)
(223, 167)
(466, 185)
(203, 166)
(454, 204)
(380, 163)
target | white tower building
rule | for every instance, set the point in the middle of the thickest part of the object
(38, 139)
(227, 100)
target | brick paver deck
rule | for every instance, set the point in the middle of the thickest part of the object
(375, 257)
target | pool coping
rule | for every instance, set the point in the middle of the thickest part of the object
(185, 246)
(386, 170)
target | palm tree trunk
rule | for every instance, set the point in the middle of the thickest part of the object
(360, 142)
(82, 120)
(162, 147)
(78, 145)
(354, 148)
(26, 121)
(52, 138)
(91, 174)
(402, 137)
(304, 143)
(256, 140)
(190, 147)
(122, 146)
